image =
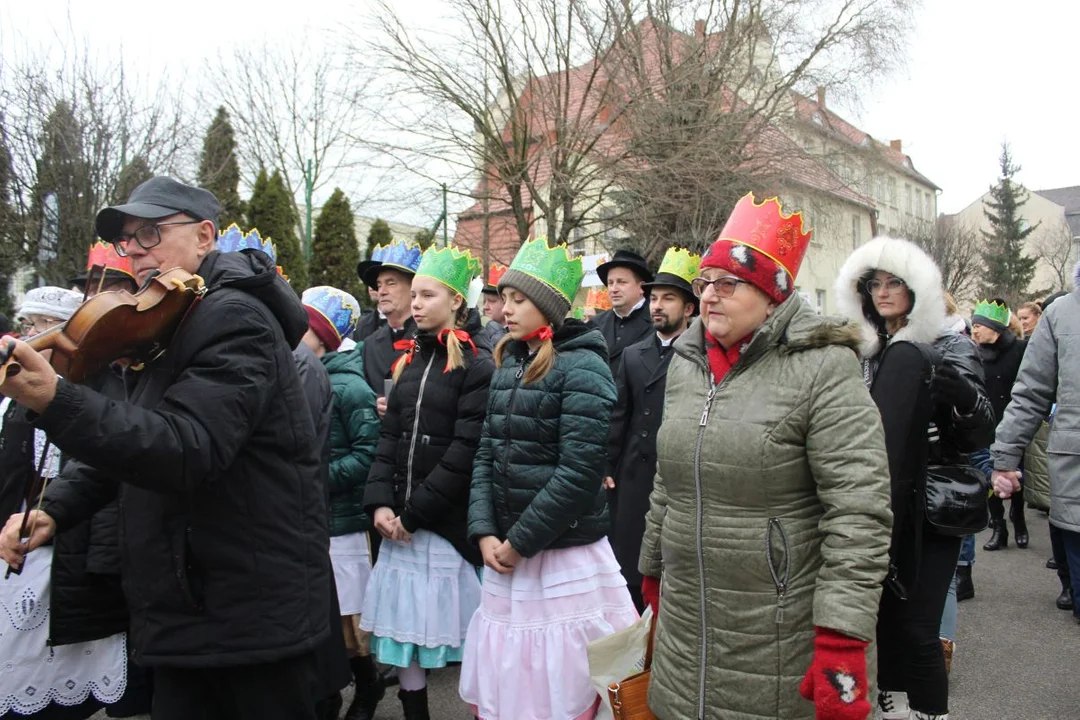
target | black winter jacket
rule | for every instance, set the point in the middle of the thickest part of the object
(222, 504)
(538, 478)
(428, 442)
(1001, 363)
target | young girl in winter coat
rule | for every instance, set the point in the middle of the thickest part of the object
(425, 587)
(537, 509)
(354, 432)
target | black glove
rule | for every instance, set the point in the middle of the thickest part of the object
(955, 390)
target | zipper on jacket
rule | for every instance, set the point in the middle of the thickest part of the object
(700, 550)
(416, 427)
(780, 581)
(506, 426)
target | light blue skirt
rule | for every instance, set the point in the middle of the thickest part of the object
(419, 601)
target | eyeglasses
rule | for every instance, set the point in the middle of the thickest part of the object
(148, 236)
(723, 287)
(893, 285)
(40, 325)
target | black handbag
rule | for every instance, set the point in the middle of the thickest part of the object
(956, 498)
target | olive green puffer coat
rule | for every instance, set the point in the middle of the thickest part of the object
(354, 432)
(537, 480)
(770, 515)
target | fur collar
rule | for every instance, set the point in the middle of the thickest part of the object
(905, 260)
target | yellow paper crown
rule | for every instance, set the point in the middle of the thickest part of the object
(681, 263)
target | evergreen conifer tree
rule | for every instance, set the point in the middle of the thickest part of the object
(271, 211)
(219, 170)
(424, 239)
(1008, 272)
(334, 253)
(10, 233)
(131, 176)
(379, 234)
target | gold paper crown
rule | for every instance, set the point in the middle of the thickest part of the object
(681, 263)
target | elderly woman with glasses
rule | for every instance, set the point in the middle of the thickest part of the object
(769, 521)
(928, 385)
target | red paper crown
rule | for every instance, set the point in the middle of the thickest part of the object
(103, 254)
(765, 228)
(495, 273)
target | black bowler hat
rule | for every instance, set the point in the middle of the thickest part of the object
(626, 259)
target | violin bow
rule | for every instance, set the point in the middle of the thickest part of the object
(26, 529)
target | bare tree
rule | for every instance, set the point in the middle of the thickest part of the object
(1055, 247)
(956, 249)
(522, 100)
(716, 112)
(72, 123)
(300, 109)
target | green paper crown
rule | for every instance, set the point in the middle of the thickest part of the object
(552, 266)
(453, 267)
(994, 311)
(681, 263)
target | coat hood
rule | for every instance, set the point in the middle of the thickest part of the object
(907, 261)
(254, 272)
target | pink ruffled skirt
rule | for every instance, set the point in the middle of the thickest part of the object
(525, 653)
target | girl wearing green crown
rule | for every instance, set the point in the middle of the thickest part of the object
(538, 510)
(424, 587)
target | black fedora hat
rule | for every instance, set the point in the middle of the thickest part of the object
(626, 259)
(665, 279)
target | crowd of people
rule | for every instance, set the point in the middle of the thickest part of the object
(291, 495)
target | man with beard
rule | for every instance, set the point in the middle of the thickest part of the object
(390, 271)
(627, 322)
(641, 379)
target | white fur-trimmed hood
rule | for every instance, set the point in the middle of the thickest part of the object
(905, 260)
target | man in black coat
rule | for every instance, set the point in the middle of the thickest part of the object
(222, 511)
(390, 272)
(627, 322)
(640, 380)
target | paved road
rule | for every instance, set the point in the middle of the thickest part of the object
(1017, 658)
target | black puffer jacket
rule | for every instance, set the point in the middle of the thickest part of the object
(222, 500)
(1001, 363)
(428, 441)
(538, 476)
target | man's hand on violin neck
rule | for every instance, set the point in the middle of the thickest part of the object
(13, 548)
(33, 384)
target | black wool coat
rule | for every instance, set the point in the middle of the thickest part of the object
(1001, 363)
(640, 383)
(620, 333)
(380, 353)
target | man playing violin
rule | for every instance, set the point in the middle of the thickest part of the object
(213, 453)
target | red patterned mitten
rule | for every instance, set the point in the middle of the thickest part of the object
(836, 679)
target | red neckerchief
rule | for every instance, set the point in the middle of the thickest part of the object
(721, 360)
(462, 336)
(409, 346)
(542, 333)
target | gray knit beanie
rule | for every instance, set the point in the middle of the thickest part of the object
(546, 298)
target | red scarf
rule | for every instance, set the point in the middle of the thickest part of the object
(721, 360)
(542, 334)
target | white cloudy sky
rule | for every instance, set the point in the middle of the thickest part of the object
(979, 72)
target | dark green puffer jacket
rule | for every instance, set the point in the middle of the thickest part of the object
(354, 432)
(537, 481)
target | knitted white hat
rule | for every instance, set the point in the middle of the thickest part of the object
(54, 302)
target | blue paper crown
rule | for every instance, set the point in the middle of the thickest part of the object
(338, 306)
(233, 240)
(399, 253)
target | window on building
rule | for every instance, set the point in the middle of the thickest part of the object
(908, 207)
(891, 184)
(929, 202)
(856, 231)
(821, 301)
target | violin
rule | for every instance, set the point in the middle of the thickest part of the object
(115, 324)
(109, 326)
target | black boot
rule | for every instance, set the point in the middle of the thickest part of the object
(1051, 564)
(1016, 513)
(965, 589)
(369, 689)
(414, 703)
(999, 538)
(1065, 600)
(329, 708)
